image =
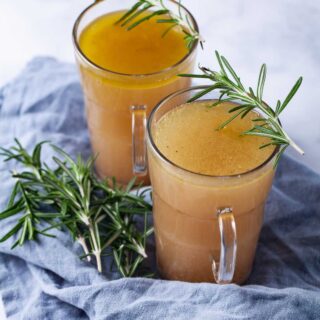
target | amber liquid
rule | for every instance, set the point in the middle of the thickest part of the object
(186, 202)
(109, 95)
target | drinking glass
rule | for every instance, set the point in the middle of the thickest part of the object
(206, 227)
(118, 104)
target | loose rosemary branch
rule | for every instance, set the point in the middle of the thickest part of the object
(99, 214)
(230, 86)
(136, 15)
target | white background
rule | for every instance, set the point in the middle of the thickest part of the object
(284, 34)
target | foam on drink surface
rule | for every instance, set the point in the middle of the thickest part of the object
(187, 136)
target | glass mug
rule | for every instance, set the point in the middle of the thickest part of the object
(206, 227)
(117, 104)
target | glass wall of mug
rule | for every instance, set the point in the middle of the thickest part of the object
(206, 227)
(118, 104)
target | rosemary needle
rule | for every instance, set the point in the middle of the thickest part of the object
(100, 215)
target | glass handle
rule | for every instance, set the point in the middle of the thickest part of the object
(139, 151)
(223, 270)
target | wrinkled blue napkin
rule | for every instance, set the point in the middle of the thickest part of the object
(46, 280)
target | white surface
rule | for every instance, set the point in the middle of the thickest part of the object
(284, 34)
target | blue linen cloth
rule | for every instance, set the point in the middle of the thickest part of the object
(47, 280)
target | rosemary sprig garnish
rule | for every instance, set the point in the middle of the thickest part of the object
(156, 8)
(100, 215)
(230, 86)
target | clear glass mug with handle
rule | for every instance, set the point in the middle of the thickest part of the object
(206, 227)
(117, 104)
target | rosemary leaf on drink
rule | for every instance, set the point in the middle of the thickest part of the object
(144, 10)
(228, 83)
(100, 215)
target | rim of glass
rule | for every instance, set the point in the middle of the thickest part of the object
(96, 66)
(163, 157)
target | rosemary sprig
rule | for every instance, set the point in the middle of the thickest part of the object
(144, 10)
(100, 215)
(231, 88)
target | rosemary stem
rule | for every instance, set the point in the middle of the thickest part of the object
(98, 258)
(294, 145)
(84, 246)
(96, 248)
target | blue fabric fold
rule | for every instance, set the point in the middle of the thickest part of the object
(47, 280)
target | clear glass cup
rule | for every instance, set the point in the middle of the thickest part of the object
(206, 227)
(117, 104)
